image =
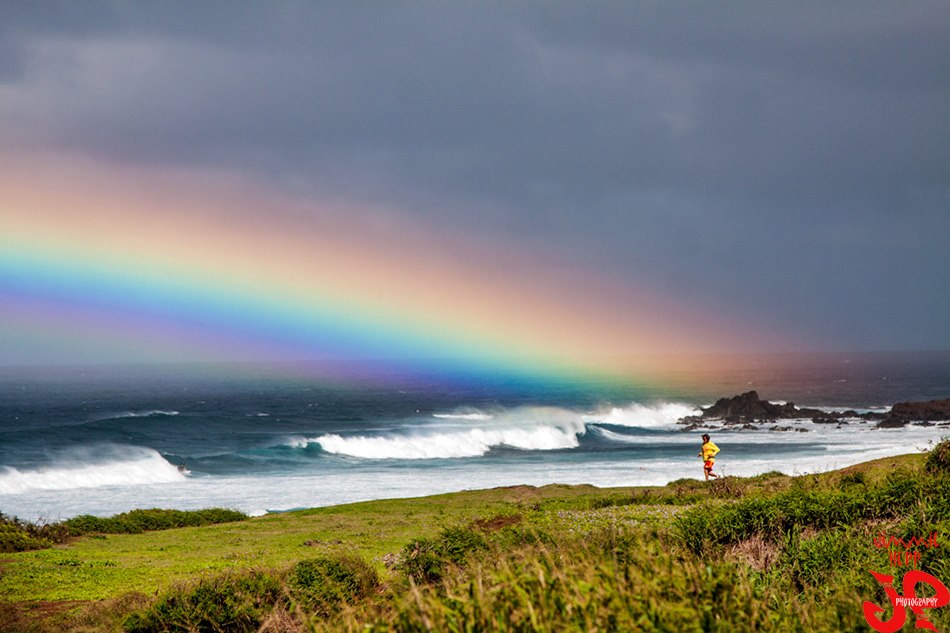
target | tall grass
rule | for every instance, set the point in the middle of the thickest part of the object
(902, 493)
(627, 580)
(244, 601)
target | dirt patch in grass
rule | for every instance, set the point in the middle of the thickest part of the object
(498, 522)
(756, 552)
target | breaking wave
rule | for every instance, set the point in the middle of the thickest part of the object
(523, 428)
(662, 415)
(463, 416)
(93, 467)
(143, 414)
(448, 445)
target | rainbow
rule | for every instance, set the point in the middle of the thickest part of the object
(107, 263)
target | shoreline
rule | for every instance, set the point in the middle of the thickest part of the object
(56, 586)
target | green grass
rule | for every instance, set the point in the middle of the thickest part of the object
(106, 566)
(763, 553)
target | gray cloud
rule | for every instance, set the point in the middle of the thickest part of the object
(788, 162)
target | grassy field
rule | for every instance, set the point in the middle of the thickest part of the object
(763, 553)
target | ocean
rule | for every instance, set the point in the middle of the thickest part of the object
(103, 440)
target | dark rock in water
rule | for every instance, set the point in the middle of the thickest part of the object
(748, 406)
(739, 411)
(891, 423)
(932, 411)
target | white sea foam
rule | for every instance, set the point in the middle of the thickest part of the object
(661, 415)
(463, 416)
(93, 467)
(525, 428)
(864, 410)
(144, 414)
(471, 443)
(296, 442)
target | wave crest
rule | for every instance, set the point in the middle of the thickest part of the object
(522, 428)
(662, 415)
(144, 414)
(93, 467)
(472, 443)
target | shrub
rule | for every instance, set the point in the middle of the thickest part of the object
(456, 543)
(16, 536)
(422, 562)
(425, 560)
(230, 602)
(322, 584)
(138, 521)
(938, 459)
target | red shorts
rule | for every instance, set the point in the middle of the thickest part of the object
(708, 465)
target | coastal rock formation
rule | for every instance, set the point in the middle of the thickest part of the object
(742, 410)
(891, 423)
(748, 406)
(932, 411)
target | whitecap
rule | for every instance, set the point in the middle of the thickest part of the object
(93, 467)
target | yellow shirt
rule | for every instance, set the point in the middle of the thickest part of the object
(709, 451)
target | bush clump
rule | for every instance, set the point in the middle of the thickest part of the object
(425, 560)
(16, 536)
(20, 536)
(938, 459)
(230, 602)
(322, 584)
(138, 521)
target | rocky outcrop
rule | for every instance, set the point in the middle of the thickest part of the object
(744, 409)
(747, 406)
(932, 411)
(891, 423)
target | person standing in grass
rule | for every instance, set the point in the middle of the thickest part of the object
(708, 453)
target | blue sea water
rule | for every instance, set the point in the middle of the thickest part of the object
(103, 440)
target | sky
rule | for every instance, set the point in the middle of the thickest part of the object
(476, 179)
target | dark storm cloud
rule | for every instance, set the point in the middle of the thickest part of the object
(791, 163)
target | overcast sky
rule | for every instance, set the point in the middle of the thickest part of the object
(786, 161)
